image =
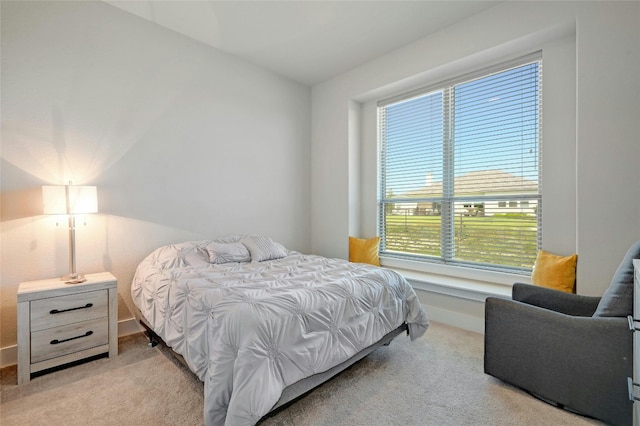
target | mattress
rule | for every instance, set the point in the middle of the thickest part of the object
(248, 328)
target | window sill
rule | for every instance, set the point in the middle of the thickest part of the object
(465, 283)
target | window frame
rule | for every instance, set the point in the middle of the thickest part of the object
(446, 87)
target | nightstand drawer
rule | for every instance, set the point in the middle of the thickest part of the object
(68, 309)
(67, 339)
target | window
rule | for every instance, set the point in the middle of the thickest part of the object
(453, 158)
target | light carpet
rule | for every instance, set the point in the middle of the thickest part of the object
(435, 380)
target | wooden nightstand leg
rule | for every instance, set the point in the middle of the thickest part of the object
(113, 322)
(24, 343)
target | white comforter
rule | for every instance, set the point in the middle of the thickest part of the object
(248, 330)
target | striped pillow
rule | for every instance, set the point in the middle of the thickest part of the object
(263, 248)
(227, 252)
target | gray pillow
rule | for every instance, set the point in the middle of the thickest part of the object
(263, 248)
(228, 252)
(617, 300)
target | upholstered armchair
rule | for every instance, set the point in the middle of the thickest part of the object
(570, 350)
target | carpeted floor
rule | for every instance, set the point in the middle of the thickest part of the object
(436, 380)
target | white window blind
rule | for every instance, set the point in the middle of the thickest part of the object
(460, 170)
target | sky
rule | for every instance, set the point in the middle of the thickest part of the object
(495, 121)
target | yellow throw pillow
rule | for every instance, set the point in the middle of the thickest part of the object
(364, 250)
(553, 271)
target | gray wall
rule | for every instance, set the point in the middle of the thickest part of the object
(591, 147)
(183, 142)
(591, 124)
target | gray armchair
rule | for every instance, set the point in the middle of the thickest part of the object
(572, 351)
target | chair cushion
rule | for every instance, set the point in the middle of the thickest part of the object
(554, 271)
(617, 300)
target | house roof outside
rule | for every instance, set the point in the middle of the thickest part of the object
(483, 182)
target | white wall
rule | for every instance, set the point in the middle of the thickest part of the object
(591, 124)
(183, 141)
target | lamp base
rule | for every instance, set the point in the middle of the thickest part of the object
(73, 279)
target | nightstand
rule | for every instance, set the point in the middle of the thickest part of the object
(59, 323)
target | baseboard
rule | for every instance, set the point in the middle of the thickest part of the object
(456, 319)
(9, 354)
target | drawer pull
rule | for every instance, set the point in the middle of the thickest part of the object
(631, 385)
(56, 341)
(59, 311)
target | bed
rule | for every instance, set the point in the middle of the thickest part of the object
(260, 324)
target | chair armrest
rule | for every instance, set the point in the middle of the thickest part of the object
(555, 300)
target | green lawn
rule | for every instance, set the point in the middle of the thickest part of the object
(509, 241)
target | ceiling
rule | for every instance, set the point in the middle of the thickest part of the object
(307, 41)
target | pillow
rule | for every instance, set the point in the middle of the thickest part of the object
(190, 253)
(228, 252)
(230, 239)
(364, 250)
(617, 300)
(263, 248)
(554, 271)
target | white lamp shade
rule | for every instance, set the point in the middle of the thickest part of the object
(81, 199)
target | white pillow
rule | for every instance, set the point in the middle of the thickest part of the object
(263, 248)
(190, 253)
(228, 252)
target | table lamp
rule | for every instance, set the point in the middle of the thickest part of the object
(70, 200)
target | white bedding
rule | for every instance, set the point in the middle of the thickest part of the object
(249, 329)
